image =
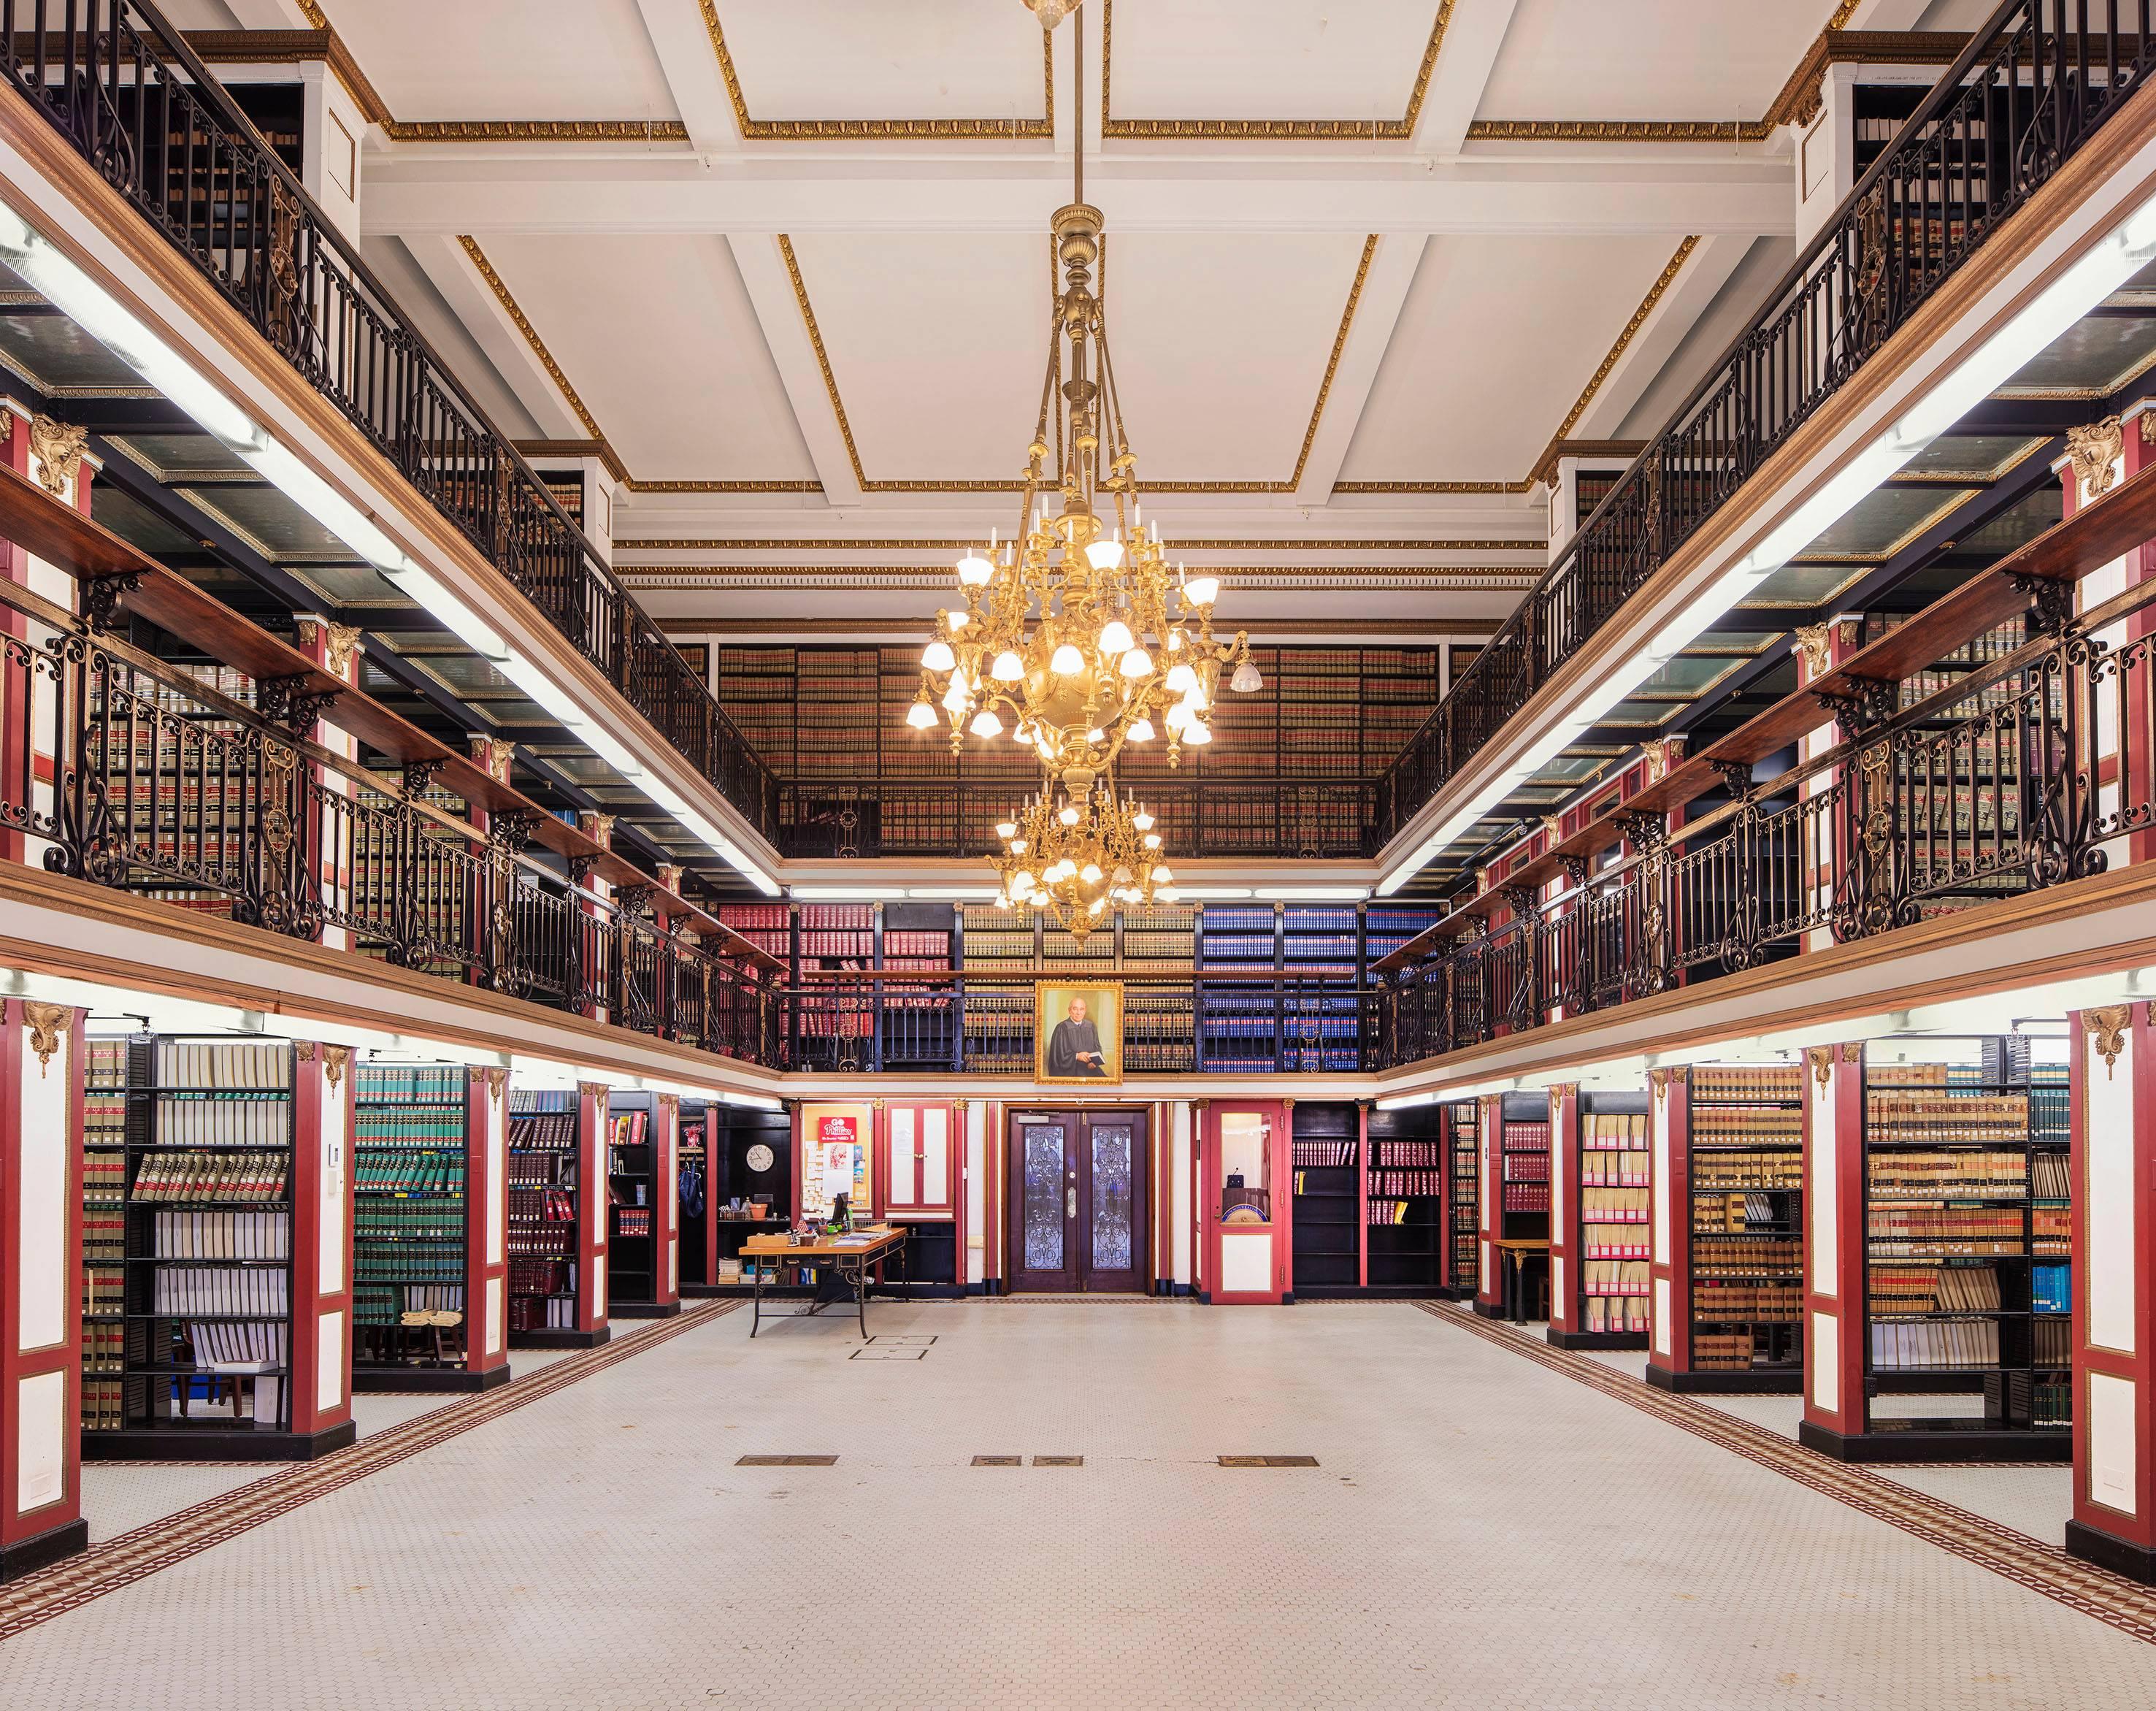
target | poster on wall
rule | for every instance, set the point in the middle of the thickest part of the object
(838, 1161)
(1078, 1033)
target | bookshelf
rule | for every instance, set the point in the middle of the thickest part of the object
(1325, 1153)
(1961, 1262)
(1322, 942)
(998, 1012)
(1523, 1176)
(1235, 1027)
(917, 1030)
(413, 1292)
(636, 1225)
(769, 927)
(691, 1188)
(1744, 1215)
(103, 1233)
(549, 1183)
(1158, 1036)
(1405, 1226)
(1606, 1222)
(1463, 1130)
(197, 1343)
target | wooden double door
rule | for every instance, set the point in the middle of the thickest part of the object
(1077, 1201)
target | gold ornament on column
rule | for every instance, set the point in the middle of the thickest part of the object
(47, 1023)
(2107, 1030)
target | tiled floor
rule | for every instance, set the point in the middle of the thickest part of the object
(1481, 1531)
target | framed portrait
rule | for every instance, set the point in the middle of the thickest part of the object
(1078, 1033)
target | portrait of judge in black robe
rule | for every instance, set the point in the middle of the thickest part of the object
(1074, 1048)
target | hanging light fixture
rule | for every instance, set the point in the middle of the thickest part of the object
(1076, 858)
(1061, 640)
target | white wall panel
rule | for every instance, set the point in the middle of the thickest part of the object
(2112, 1441)
(41, 1220)
(2107, 1193)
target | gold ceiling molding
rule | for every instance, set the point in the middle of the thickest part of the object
(536, 129)
(1803, 94)
(783, 576)
(1271, 130)
(1333, 362)
(1619, 131)
(850, 130)
(516, 313)
(635, 485)
(293, 47)
(1525, 486)
(784, 544)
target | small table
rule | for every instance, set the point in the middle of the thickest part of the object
(1513, 1254)
(846, 1257)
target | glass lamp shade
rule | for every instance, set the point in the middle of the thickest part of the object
(1008, 668)
(937, 656)
(1067, 661)
(1181, 678)
(1115, 636)
(1140, 731)
(1176, 717)
(1197, 734)
(1018, 846)
(1152, 840)
(921, 716)
(1142, 821)
(1202, 590)
(974, 571)
(986, 724)
(1106, 553)
(1068, 815)
(955, 698)
(1136, 663)
(1162, 875)
(1247, 679)
(1090, 873)
(1006, 829)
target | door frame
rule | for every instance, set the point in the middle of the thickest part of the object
(1012, 1217)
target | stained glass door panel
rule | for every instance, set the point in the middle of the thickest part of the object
(1114, 1254)
(1044, 1184)
(1076, 1199)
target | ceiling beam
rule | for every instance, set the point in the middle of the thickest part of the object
(1674, 313)
(1378, 300)
(1472, 37)
(769, 281)
(685, 55)
(514, 189)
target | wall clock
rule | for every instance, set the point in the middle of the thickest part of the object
(758, 1158)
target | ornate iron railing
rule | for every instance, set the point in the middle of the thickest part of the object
(131, 773)
(124, 88)
(2031, 89)
(2035, 769)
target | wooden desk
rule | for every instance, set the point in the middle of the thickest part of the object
(1513, 1253)
(847, 1258)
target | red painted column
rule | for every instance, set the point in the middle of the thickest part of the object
(41, 1074)
(598, 964)
(1836, 1318)
(335, 648)
(1363, 1191)
(1564, 1210)
(592, 1212)
(486, 1225)
(2113, 1081)
(1669, 1269)
(322, 1127)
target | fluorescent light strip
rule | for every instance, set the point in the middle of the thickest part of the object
(2121, 254)
(34, 256)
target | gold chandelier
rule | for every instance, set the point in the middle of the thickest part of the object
(1079, 636)
(1071, 858)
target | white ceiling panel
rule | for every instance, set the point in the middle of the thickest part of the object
(1220, 342)
(1266, 58)
(1497, 339)
(876, 59)
(937, 343)
(507, 58)
(1649, 59)
(657, 337)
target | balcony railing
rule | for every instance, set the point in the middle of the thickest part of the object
(123, 770)
(2028, 772)
(124, 88)
(2031, 89)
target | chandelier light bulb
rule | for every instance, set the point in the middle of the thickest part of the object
(1098, 905)
(1067, 661)
(986, 724)
(1116, 637)
(1197, 734)
(1202, 590)
(974, 570)
(1140, 731)
(1175, 641)
(1196, 698)
(1106, 553)
(1136, 663)
(1023, 879)
(957, 620)
(937, 656)
(1090, 873)
(1002, 901)
(1069, 816)
(1161, 874)
(1152, 840)
(1007, 830)
(1008, 668)
(1018, 846)
(1176, 717)
(1181, 678)
(921, 716)
(1122, 876)
(1142, 821)
(955, 698)
(1246, 680)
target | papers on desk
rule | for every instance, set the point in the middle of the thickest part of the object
(853, 1240)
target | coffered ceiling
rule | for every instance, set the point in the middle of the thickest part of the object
(784, 264)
